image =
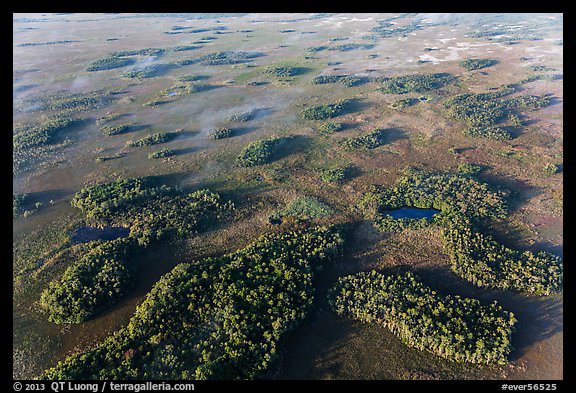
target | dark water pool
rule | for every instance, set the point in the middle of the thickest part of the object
(86, 234)
(412, 212)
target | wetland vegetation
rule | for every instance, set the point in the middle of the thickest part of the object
(287, 196)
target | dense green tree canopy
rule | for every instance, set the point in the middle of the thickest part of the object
(456, 328)
(217, 318)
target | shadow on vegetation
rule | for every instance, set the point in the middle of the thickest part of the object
(394, 134)
(136, 128)
(301, 70)
(514, 132)
(539, 318)
(46, 196)
(520, 191)
(353, 172)
(347, 126)
(262, 112)
(186, 134)
(292, 144)
(238, 131)
(354, 105)
(186, 150)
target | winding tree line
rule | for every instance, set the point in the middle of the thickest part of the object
(216, 318)
(464, 202)
(456, 328)
(104, 274)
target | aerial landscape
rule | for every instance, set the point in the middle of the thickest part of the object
(287, 196)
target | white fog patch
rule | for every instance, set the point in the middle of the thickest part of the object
(430, 58)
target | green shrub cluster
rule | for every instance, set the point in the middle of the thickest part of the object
(344, 80)
(351, 46)
(386, 29)
(162, 153)
(282, 71)
(491, 132)
(152, 213)
(476, 64)
(154, 139)
(417, 83)
(326, 111)
(65, 103)
(140, 52)
(227, 57)
(108, 63)
(404, 102)
(190, 78)
(334, 175)
(95, 282)
(115, 129)
(307, 207)
(323, 79)
(216, 318)
(469, 169)
(260, 152)
(483, 111)
(369, 141)
(26, 136)
(243, 116)
(199, 87)
(455, 328)
(329, 128)
(550, 169)
(149, 71)
(221, 133)
(484, 262)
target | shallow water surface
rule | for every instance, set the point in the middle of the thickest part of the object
(412, 212)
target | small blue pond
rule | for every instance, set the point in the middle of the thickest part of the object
(87, 234)
(412, 212)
